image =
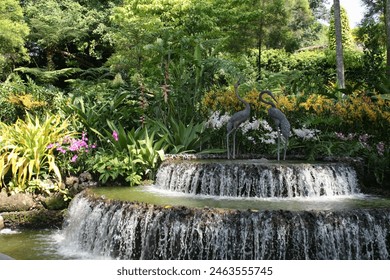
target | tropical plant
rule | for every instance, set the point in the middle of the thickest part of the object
(26, 154)
(116, 167)
(181, 137)
(19, 96)
(92, 104)
(71, 154)
(131, 155)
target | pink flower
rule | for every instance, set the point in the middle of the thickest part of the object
(84, 136)
(61, 150)
(74, 158)
(115, 135)
(77, 144)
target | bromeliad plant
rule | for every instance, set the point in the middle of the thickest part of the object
(26, 156)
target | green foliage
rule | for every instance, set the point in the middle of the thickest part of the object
(310, 71)
(68, 32)
(345, 30)
(25, 153)
(13, 33)
(371, 34)
(132, 155)
(18, 96)
(114, 167)
(47, 77)
(93, 103)
(181, 137)
(141, 68)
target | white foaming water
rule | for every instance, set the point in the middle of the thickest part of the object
(262, 180)
(127, 230)
(156, 189)
(306, 229)
(68, 241)
(8, 231)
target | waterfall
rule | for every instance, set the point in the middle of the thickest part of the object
(130, 230)
(138, 230)
(251, 178)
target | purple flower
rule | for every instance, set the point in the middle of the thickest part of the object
(363, 139)
(380, 147)
(84, 136)
(343, 137)
(77, 144)
(74, 158)
(61, 150)
(115, 135)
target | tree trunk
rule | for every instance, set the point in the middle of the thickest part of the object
(339, 45)
(387, 20)
(259, 60)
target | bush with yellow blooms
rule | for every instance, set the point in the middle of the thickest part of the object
(355, 125)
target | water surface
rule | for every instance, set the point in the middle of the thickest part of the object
(30, 244)
(153, 195)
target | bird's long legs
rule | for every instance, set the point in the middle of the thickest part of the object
(278, 144)
(234, 144)
(285, 149)
(285, 146)
(227, 143)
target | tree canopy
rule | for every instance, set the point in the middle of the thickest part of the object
(13, 33)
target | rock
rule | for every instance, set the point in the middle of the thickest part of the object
(55, 202)
(71, 181)
(1, 222)
(5, 257)
(15, 202)
(85, 177)
(78, 184)
(36, 219)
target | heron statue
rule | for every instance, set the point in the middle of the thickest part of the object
(280, 120)
(235, 121)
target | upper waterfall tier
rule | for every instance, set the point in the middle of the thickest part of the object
(256, 178)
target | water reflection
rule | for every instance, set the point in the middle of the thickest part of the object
(29, 244)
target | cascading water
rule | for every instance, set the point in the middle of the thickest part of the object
(138, 230)
(257, 179)
(127, 230)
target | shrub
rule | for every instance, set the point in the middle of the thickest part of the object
(130, 156)
(26, 156)
(180, 137)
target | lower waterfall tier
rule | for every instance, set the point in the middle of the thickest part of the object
(131, 230)
(256, 178)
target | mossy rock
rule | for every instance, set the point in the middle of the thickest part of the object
(35, 219)
(55, 202)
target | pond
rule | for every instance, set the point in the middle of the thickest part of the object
(30, 244)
